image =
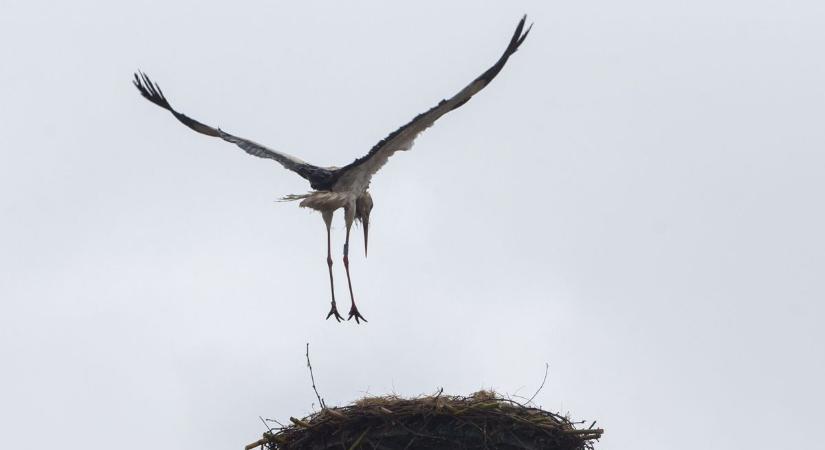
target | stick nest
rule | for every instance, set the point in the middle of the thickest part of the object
(483, 420)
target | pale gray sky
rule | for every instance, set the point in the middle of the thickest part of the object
(636, 200)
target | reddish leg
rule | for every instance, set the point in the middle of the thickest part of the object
(353, 311)
(333, 311)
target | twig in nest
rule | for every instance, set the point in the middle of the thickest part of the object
(257, 443)
(300, 422)
(511, 396)
(274, 420)
(312, 377)
(360, 438)
(546, 370)
(265, 424)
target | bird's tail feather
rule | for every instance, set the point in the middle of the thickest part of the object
(294, 197)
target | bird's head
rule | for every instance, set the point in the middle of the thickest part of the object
(363, 207)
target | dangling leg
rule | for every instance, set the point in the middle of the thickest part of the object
(353, 311)
(333, 311)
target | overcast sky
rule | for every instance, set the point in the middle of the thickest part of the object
(635, 200)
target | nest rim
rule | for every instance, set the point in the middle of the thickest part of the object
(483, 419)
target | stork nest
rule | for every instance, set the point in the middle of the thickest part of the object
(482, 420)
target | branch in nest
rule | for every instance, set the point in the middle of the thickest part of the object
(312, 377)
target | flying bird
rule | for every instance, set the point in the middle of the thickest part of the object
(345, 187)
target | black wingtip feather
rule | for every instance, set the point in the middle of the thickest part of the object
(524, 36)
(515, 42)
(150, 90)
(518, 36)
(147, 90)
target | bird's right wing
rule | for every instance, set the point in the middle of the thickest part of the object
(317, 176)
(360, 171)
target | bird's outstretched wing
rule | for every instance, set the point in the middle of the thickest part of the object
(319, 177)
(359, 172)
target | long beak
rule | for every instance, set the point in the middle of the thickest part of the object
(366, 223)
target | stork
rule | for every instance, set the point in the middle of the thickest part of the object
(345, 187)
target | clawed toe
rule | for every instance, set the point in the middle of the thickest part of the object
(353, 312)
(334, 312)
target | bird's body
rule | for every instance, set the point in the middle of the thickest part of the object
(345, 187)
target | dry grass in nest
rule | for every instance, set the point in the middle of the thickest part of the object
(483, 420)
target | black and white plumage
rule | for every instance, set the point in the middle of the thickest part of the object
(344, 187)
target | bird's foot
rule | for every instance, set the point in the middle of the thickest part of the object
(353, 312)
(333, 311)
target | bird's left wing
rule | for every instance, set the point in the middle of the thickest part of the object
(319, 177)
(362, 169)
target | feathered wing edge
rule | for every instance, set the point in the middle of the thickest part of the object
(151, 91)
(319, 177)
(403, 138)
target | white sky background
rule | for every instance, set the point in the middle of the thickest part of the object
(636, 200)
